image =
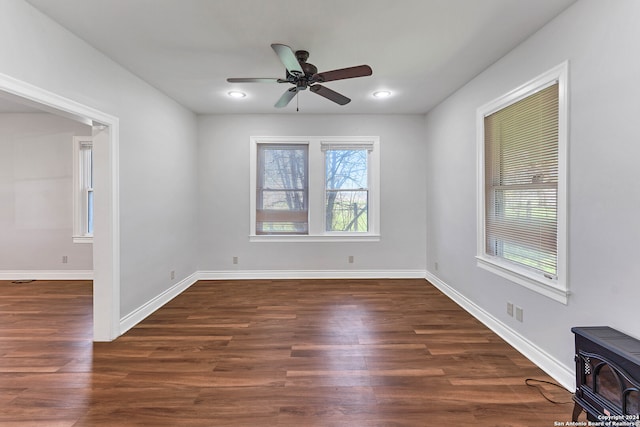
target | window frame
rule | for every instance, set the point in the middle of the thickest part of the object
(82, 173)
(555, 288)
(326, 146)
(316, 187)
(260, 189)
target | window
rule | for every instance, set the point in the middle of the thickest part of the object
(83, 189)
(314, 188)
(521, 215)
(346, 189)
(282, 189)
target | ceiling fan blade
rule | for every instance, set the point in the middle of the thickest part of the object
(343, 73)
(288, 58)
(254, 80)
(331, 95)
(286, 97)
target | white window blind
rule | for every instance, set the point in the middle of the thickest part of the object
(282, 189)
(86, 176)
(521, 182)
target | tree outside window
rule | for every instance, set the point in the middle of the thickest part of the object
(347, 194)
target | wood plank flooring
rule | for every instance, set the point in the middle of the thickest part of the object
(265, 353)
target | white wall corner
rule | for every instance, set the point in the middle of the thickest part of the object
(558, 371)
(142, 312)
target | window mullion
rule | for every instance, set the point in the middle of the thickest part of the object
(313, 204)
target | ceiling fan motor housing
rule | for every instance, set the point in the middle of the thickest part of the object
(303, 81)
(302, 55)
(309, 69)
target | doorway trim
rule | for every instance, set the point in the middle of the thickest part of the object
(106, 240)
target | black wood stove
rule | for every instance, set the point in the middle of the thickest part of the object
(607, 375)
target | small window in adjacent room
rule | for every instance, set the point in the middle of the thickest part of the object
(314, 188)
(83, 190)
(521, 212)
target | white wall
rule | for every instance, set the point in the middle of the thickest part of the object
(36, 212)
(600, 41)
(157, 164)
(224, 195)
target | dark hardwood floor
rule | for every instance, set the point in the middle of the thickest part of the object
(265, 353)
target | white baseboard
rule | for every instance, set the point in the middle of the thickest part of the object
(46, 274)
(142, 312)
(558, 371)
(310, 274)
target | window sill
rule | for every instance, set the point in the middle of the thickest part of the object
(316, 238)
(547, 287)
(82, 239)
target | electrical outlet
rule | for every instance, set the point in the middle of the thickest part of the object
(65, 259)
(173, 274)
(235, 259)
(350, 259)
(519, 314)
(510, 309)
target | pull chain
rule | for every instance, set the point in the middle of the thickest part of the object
(297, 102)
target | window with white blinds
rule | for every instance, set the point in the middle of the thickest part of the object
(521, 167)
(282, 189)
(83, 189)
(521, 213)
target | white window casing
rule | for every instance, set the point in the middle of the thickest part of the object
(317, 148)
(282, 193)
(82, 189)
(522, 187)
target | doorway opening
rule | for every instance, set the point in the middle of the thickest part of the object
(106, 245)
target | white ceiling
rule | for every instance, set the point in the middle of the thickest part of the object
(421, 50)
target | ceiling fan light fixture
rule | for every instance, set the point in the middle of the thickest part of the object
(382, 94)
(236, 94)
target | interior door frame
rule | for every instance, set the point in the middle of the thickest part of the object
(106, 236)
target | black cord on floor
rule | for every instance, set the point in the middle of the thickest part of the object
(530, 380)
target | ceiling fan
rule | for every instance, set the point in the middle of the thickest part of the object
(304, 75)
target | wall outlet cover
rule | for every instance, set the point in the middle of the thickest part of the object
(519, 314)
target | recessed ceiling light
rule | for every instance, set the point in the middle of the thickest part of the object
(236, 94)
(382, 94)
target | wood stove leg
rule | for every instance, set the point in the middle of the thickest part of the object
(577, 409)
